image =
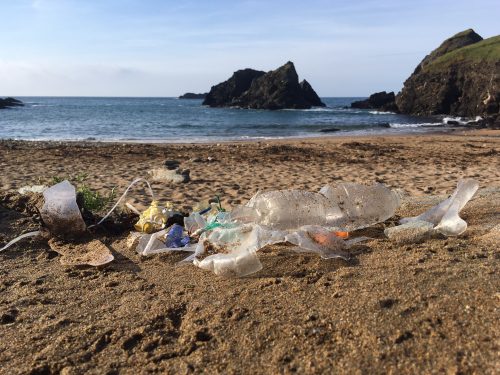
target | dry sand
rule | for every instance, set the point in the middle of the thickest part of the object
(421, 308)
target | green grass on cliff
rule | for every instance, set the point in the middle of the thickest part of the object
(487, 50)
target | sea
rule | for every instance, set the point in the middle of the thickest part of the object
(187, 120)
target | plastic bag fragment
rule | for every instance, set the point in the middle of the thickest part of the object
(60, 213)
(445, 215)
(411, 232)
(93, 253)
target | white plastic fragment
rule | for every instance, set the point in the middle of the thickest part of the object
(445, 215)
(231, 265)
(60, 213)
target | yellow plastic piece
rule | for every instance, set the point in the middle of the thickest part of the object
(152, 219)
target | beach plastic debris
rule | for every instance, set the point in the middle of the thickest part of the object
(231, 252)
(32, 189)
(290, 209)
(21, 237)
(313, 222)
(445, 215)
(361, 205)
(93, 253)
(347, 207)
(152, 219)
(411, 232)
(60, 213)
(176, 238)
(133, 239)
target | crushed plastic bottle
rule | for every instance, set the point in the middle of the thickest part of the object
(290, 209)
(60, 213)
(361, 206)
(347, 207)
(445, 215)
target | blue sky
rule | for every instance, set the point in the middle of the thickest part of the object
(165, 48)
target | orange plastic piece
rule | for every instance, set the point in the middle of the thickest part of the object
(344, 235)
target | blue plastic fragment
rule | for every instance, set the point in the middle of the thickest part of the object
(175, 237)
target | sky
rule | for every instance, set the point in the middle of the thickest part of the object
(166, 48)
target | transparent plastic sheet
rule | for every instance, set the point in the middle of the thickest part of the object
(60, 213)
(445, 216)
(153, 244)
(235, 248)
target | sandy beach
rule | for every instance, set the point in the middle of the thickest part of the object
(430, 307)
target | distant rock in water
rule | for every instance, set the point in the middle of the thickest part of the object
(226, 93)
(277, 89)
(192, 95)
(460, 78)
(10, 102)
(382, 101)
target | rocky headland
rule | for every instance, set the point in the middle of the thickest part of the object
(459, 78)
(10, 102)
(277, 89)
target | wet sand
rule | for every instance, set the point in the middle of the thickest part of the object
(422, 308)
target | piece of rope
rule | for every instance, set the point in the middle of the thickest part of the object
(19, 238)
(123, 196)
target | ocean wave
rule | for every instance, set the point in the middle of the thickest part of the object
(414, 125)
(382, 113)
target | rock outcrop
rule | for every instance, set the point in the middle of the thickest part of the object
(381, 101)
(277, 89)
(192, 95)
(226, 94)
(460, 78)
(10, 102)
